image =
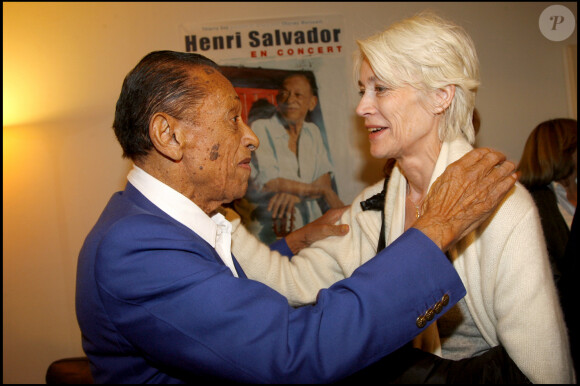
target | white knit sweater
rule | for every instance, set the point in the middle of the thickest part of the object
(503, 264)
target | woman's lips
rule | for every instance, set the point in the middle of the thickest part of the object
(375, 131)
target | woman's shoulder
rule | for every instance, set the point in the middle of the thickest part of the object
(519, 199)
(517, 209)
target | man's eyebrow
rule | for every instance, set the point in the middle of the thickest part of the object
(235, 106)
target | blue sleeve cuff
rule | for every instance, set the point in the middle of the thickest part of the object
(282, 247)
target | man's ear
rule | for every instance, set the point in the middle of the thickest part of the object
(313, 103)
(443, 98)
(167, 136)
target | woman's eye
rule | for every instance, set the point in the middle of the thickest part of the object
(361, 92)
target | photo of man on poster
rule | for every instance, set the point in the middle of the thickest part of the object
(292, 180)
(283, 71)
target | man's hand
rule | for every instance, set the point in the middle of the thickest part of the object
(318, 229)
(465, 195)
(282, 204)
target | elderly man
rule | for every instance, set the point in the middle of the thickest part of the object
(161, 299)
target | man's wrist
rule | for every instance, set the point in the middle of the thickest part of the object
(439, 232)
(296, 241)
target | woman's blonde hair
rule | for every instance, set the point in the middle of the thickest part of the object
(428, 53)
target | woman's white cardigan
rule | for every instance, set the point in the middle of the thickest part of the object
(503, 265)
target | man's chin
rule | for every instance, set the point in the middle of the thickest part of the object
(243, 188)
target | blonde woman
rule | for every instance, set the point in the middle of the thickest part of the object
(418, 81)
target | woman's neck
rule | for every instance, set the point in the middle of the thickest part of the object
(418, 169)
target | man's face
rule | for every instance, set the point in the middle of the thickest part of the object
(218, 147)
(296, 99)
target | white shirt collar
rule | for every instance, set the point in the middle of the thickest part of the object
(186, 212)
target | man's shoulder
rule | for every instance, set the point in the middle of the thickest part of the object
(145, 237)
(128, 218)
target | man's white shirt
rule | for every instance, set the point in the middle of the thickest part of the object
(216, 230)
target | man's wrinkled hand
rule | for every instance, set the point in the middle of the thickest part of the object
(318, 229)
(464, 196)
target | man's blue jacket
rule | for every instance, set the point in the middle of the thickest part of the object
(156, 304)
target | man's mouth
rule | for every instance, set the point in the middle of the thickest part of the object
(245, 163)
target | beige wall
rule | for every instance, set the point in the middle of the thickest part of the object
(63, 68)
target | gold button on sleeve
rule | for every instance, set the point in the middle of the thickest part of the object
(421, 321)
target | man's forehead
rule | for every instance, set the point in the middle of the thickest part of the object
(219, 88)
(298, 81)
(296, 78)
(205, 73)
(209, 75)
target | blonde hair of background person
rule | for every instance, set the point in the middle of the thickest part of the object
(503, 264)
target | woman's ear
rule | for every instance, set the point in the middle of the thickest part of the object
(167, 136)
(443, 98)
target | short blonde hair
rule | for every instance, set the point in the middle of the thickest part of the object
(428, 53)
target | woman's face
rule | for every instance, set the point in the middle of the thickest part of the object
(398, 123)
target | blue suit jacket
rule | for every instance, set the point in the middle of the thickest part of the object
(156, 304)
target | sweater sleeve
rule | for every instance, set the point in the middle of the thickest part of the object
(298, 279)
(325, 262)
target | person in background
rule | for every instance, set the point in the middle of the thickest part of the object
(548, 168)
(292, 174)
(418, 81)
(261, 109)
(161, 299)
(476, 121)
(568, 289)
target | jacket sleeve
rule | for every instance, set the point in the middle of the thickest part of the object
(281, 247)
(172, 301)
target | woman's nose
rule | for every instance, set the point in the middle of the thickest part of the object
(365, 107)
